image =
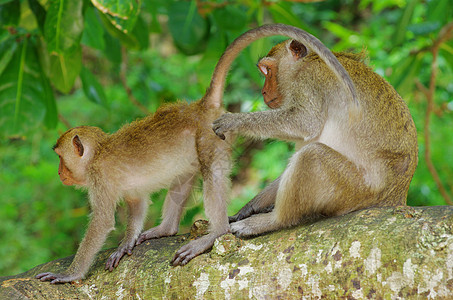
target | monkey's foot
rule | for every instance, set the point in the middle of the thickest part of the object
(114, 259)
(58, 278)
(193, 249)
(155, 233)
(255, 225)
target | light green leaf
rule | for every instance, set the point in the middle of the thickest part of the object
(121, 13)
(64, 25)
(64, 69)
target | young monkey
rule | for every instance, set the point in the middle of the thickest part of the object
(355, 147)
(166, 149)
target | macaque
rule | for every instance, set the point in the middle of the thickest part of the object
(356, 142)
(164, 150)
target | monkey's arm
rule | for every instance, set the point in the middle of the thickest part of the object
(293, 124)
(101, 224)
(261, 203)
(137, 213)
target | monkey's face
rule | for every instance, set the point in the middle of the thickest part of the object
(271, 95)
(70, 150)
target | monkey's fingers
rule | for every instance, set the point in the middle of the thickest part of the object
(56, 278)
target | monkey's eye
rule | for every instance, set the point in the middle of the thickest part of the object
(263, 69)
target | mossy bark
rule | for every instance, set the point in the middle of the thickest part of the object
(385, 253)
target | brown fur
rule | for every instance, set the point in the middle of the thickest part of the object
(342, 163)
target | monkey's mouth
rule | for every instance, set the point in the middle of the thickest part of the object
(271, 103)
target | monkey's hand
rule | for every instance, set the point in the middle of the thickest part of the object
(156, 232)
(58, 278)
(249, 210)
(114, 259)
(226, 122)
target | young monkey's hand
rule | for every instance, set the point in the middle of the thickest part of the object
(226, 122)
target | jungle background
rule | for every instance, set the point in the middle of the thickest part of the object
(65, 63)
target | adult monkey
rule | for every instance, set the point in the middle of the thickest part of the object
(178, 141)
(356, 147)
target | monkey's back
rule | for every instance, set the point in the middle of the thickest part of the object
(386, 129)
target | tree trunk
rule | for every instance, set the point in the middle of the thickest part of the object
(385, 253)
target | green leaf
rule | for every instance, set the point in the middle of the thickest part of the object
(141, 33)
(400, 30)
(92, 88)
(10, 13)
(93, 34)
(230, 17)
(8, 48)
(121, 13)
(64, 69)
(64, 25)
(39, 12)
(112, 49)
(62, 32)
(281, 13)
(126, 39)
(439, 11)
(23, 91)
(188, 29)
(403, 77)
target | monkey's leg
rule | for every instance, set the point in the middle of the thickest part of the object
(215, 167)
(102, 222)
(173, 206)
(261, 203)
(137, 212)
(317, 181)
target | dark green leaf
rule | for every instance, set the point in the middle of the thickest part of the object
(39, 12)
(10, 13)
(230, 17)
(188, 29)
(113, 49)
(92, 88)
(121, 13)
(5, 1)
(141, 33)
(93, 34)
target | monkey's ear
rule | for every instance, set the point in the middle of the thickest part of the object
(298, 50)
(78, 146)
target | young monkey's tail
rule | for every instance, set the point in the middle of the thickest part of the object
(213, 97)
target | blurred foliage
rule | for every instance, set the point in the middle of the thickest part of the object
(66, 63)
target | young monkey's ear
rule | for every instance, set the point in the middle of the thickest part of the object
(78, 146)
(298, 50)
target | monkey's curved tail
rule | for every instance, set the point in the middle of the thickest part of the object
(213, 97)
